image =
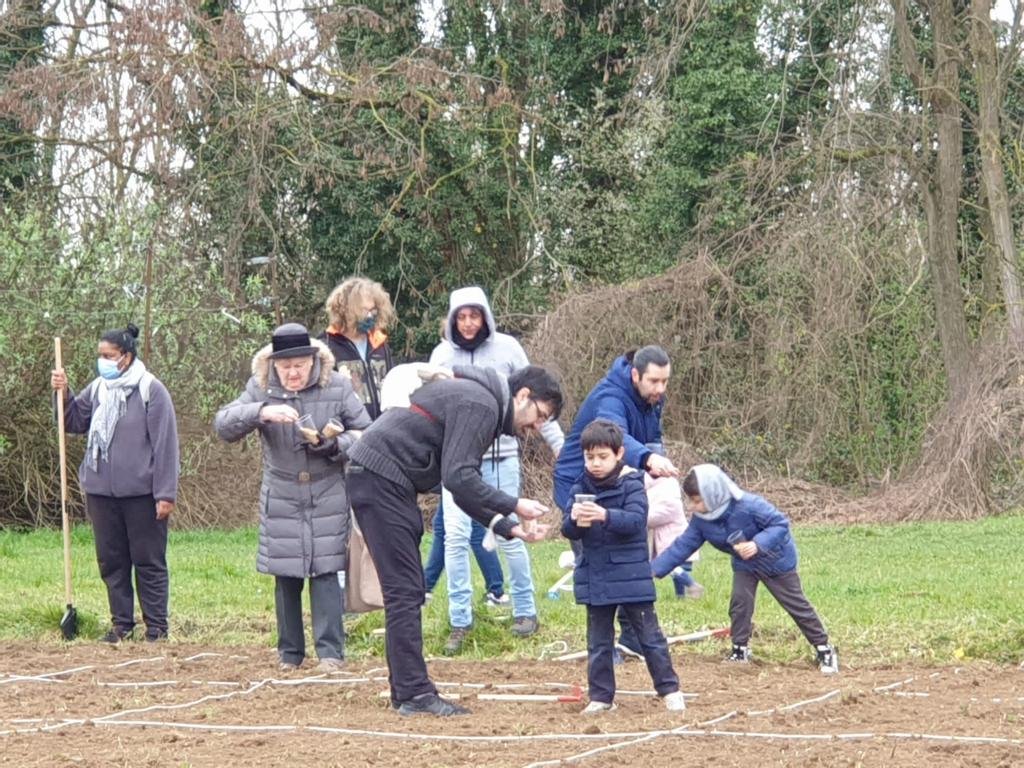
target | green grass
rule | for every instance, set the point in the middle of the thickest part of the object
(939, 592)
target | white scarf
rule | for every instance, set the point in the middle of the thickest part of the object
(111, 396)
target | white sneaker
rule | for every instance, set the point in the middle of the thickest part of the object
(675, 702)
(597, 707)
(828, 659)
(493, 601)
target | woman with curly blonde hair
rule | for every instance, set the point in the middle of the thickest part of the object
(360, 313)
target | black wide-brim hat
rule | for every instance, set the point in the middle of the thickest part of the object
(291, 340)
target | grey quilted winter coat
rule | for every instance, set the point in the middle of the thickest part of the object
(304, 509)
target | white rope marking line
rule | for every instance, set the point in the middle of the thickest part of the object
(635, 737)
(132, 662)
(796, 705)
(719, 719)
(152, 684)
(682, 730)
(889, 687)
(556, 647)
(45, 677)
(595, 751)
(202, 726)
(182, 705)
(210, 654)
(638, 736)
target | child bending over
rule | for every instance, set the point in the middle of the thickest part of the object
(757, 536)
(614, 570)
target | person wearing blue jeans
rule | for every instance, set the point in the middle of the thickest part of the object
(502, 474)
(471, 339)
(490, 565)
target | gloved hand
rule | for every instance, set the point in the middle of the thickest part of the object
(325, 449)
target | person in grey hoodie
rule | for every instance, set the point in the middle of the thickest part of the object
(472, 338)
(291, 399)
(129, 476)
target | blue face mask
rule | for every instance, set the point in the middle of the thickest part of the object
(367, 324)
(108, 368)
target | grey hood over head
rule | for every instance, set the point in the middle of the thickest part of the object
(499, 351)
(716, 490)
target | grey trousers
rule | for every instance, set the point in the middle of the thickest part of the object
(785, 588)
(324, 604)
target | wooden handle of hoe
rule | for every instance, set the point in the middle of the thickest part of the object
(64, 519)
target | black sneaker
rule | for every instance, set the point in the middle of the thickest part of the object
(117, 635)
(740, 654)
(430, 704)
(155, 635)
(455, 641)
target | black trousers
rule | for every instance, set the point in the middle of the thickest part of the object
(601, 647)
(393, 526)
(130, 538)
(785, 588)
(324, 604)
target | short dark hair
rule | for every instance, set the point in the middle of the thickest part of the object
(690, 485)
(649, 355)
(601, 433)
(542, 384)
(122, 338)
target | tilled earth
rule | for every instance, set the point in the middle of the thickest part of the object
(176, 704)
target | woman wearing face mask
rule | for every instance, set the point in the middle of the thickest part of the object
(360, 311)
(129, 476)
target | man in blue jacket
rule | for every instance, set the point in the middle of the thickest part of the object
(631, 395)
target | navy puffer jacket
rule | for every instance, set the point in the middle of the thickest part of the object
(615, 567)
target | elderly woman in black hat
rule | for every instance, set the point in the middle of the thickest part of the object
(308, 417)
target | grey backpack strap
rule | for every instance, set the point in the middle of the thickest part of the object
(145, 384)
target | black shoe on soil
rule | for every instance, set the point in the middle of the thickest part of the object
(740, 654)
(155, 635)
(117, 635)
(430, 704)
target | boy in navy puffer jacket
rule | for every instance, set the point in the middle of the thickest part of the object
(757, 536)
(614, 569)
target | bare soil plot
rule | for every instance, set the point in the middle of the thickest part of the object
(173, 704)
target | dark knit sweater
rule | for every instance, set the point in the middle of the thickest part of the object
(442, 438)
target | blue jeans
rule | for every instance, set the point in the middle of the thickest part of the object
(490, 565)
(503, 474)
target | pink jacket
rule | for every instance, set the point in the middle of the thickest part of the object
(666, 519)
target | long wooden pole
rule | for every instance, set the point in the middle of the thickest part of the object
(64, 519)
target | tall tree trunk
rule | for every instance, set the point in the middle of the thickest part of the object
(947, 183)
(986, 78)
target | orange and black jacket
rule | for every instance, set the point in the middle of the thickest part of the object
(366, 375)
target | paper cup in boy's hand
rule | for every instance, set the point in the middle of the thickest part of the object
(734, 538)
(584, 498)
(307, 428)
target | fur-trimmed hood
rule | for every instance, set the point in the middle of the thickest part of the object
(261, 364)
